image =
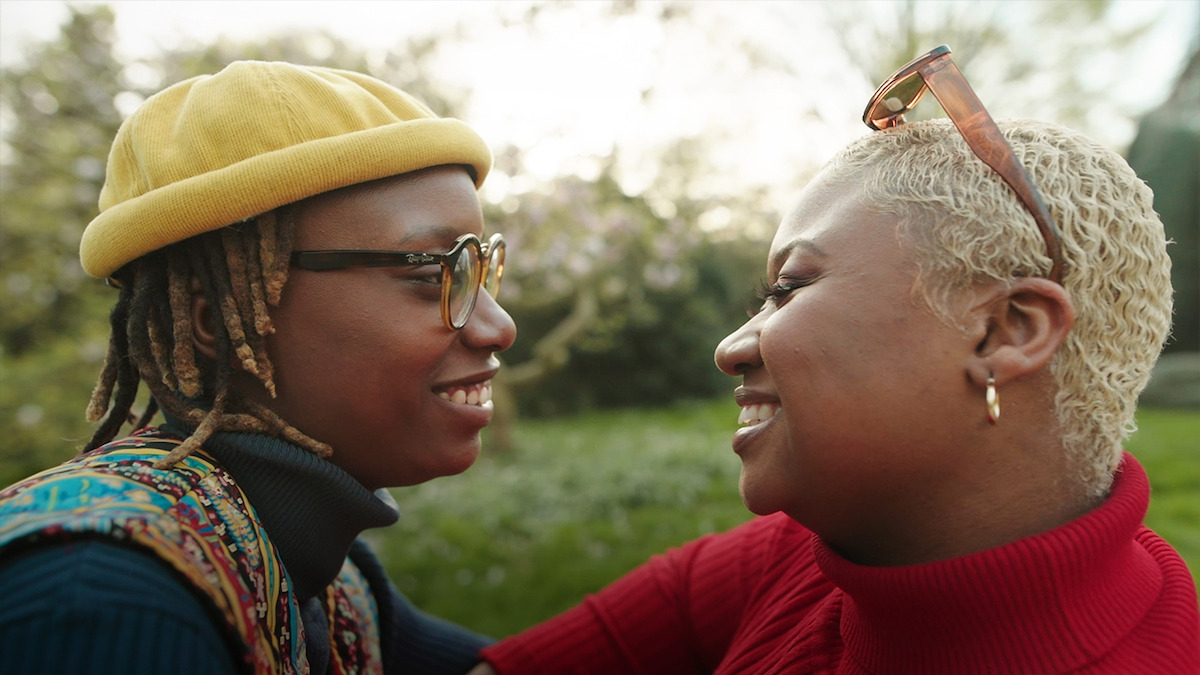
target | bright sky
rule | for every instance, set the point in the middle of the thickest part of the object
(576, 91)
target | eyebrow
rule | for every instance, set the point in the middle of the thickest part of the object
(429, 233)
(785, 251)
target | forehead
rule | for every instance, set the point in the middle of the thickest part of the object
(439, 203)
(831, 218)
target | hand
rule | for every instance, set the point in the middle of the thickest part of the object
(483, 669)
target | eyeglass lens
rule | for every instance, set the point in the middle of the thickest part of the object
(495, 268)
(898, 100)
(464, 284)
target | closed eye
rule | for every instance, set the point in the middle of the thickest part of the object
(774, 293)
(425, 275)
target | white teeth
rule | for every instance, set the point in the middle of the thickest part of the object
(744, 416)
(480, 396)
(757, 414)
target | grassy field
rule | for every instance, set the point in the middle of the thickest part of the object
(1168, 444)
(519, 538)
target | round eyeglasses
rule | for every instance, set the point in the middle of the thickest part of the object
(468, 266)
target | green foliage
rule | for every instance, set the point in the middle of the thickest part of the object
(524, 535)
(520, 537)
(59, 116)
(667, 293)
(59, 120)
(46, 390)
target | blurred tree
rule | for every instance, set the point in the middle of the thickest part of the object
(626, 298)
(59, 115)
(1013, 53)
(1166, 154)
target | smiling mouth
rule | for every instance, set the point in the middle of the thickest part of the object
(471, 394)
(757, 413)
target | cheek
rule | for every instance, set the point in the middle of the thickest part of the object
(357, 336)
(332, 313)
(312, 338)
(783, 346)
(369, 347)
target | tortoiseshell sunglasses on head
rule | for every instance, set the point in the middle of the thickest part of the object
(937, 73)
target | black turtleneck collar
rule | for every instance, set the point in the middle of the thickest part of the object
(311, 509)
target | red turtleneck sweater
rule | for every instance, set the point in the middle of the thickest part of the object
(1101, 594)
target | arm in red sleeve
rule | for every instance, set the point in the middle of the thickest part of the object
(675, 614)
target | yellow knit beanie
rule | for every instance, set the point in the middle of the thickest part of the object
(217, 149)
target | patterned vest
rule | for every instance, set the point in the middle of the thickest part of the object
(197, 520)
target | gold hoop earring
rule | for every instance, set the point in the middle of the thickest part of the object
(993, 400)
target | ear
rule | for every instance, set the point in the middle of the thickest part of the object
(204, 335)
(1023, 324)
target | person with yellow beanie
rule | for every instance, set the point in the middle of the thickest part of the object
(298, 252)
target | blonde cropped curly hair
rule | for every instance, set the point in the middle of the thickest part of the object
(966, 225)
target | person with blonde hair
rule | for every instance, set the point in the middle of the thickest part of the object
(299, 253)
(957, 320)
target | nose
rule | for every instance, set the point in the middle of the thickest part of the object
(739, 352)
(489, 326)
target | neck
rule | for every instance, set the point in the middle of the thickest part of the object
(311, 509)
(1062, 595)
(1007, 493)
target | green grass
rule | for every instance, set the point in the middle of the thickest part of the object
(519, 538)
(1167, 443)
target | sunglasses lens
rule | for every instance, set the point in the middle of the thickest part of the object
(464, 284)
(896, 100)
(495, 269)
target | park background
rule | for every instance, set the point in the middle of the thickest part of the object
(644, 154)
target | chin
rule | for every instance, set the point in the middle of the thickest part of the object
(460, 462)
(757, 509)
(754, 501)
(445, 466)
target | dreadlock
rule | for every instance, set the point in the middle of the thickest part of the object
(241, 269)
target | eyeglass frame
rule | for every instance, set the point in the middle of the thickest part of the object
(339, 259)
(941, 76)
